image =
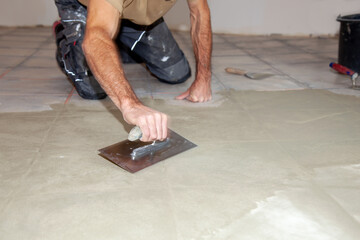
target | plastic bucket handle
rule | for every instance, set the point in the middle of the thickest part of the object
(349, 18)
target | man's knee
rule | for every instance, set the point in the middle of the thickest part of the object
(174, 74)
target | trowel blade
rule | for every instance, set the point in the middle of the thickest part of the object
(258, 76)
(121, 153)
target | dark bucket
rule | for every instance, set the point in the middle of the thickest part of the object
(349, 41)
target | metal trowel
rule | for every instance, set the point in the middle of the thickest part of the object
(251, 75)
(133, 155)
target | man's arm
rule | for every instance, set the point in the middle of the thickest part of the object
(200, 90)
(102, 56)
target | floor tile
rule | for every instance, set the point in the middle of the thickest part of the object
(293, 58)
(223, 163)
(40, 62)
(341, 176)
(78, 104)
(202, 212)
(295, 100)
(4, 71)
(45, 53)
(24, 131)
(65, 171)
(273, 83)
(30, 102)
(310, 125)
(232, 123)
(24, 38)
(19, 44)
(316, 75)
(36, 73)
(16, 52)
(8, 62)
(276, 51)
(49, 45)
(295, 214)
(348, 199)
(315, 154)
(86, 130)
(234, 61)
(346, 91)
(228, 52)
(14, 164)
(108, 215)
(34, 86)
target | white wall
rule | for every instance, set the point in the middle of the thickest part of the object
(27, 12)
(290, 17)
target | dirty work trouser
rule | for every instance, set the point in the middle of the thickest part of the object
(154, 45)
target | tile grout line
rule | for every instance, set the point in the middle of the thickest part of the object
(35, 159)
(35, 79)
(313, 183)
(225, 88)
(172, 204)
(302, 168)
(5, 72)
(69, 96)
(24, 176)
(26, 58)
(6, 55)
(7, 32)
(286, 43)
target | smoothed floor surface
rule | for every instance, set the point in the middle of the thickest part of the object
(276, 159)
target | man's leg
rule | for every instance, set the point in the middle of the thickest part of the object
(156, 46)
(70, 57)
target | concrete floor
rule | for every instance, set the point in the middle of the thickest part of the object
(276, 158)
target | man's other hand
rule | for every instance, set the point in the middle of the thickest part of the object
(199, 91)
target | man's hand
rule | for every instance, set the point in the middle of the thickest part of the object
(199, 91)
(153, 124)
(201, 35)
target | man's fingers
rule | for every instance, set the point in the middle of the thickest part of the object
(195, 96)
(152, 128)
(164, 127)
(195, 99)
(191, 99)
(183, 95)
(158, 126)
(145, 131)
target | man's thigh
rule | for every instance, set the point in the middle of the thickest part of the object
(156, 46)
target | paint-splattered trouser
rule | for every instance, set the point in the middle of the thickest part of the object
(153, 45)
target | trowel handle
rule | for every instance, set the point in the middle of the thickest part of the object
(135, 134)
(341, 69)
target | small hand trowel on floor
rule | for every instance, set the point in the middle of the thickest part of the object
(251, 75)
(133, 155)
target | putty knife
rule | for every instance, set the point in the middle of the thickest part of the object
(133, 156)
(251, 75)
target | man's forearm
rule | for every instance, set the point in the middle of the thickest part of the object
(200, 89)
(103, 58)
(202, 41)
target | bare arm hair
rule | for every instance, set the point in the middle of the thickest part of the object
(102, 55)
(103, 58)
(201, 35)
